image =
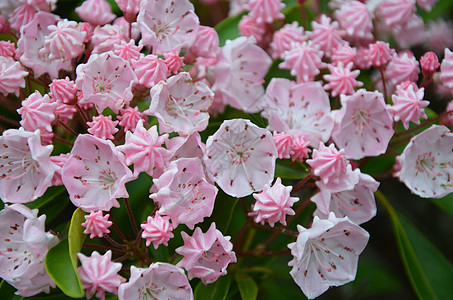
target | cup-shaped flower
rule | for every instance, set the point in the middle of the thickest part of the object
(206, 255)
(95, 174)
(326, 254)
(23, 246)
(26, 170)
(240, 157)
(159, 281)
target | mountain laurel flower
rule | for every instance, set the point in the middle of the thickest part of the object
(183, 193)
(343, 53)
(105, 38)
(206, 44)
(284, 144)
(24, 245)
(248, 26)
(96, 224)
(129, 118)
(150, 70)
(26, 170)
(63, 90)
(265, 11)
(283, 39)
(103, 127)
(12, 76)
(174, 62)
(300, 148)
(446, 69)
(157, 230)
(355, 18)
(273, 204)
(206, 255)
(326, 34)
(429, 63)
(326, 254)
(127, 50)
(240, 157)
(96, 12)
(363, 125)
(7, 49)
(166, 25)
(396, 12)
(95, 174)
(99, 274)
(159, 281)
(37, 112)
(408, 104)
(402, 67)
(130, 8)
(380, 54)
(342, 80)
(427, 163)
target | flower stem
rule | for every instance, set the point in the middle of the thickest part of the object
(131, 216)
(67, 128)
(99, 247)
(111, 241)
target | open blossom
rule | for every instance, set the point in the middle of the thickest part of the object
(427, 163)
(103, 127)
(239, 73)
(143, 148)
(95, 174)
(299, 109)
(206, 255)
(342, 80)
(358, 203)
(273, 204)
(99, 274)
(285, 37)
(96, 224)
(181, 104)
(12, 76)
(363, 125)
(157, 230)
(158, 281)
(326, 254)
(24, 245)
(183, 193)
(26, 170)
(96, 12)
(106, 81)
(166, 25)
(240, 157)
(408, 104)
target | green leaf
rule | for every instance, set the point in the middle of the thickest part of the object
(60, 268)
(7, 291)
(445, 203)
(247, 286)
(228, 29)
(286, 169)
(61, 260)
(223, 211)
(214, 291)
(429, 272)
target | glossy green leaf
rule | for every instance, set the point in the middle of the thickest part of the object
(214, 291)
(75, 235)
(7, 292)
(286, 169)
(445, 203)
(429, 272)
(60, 268)
(247, 286)
(223, 211)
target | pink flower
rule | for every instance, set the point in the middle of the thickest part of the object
(95, 174)
(105, 38)
(37, 112)
(426, 4)
(248, 26)
(206, 255)
(343, 53)
(174, 62)
(7, 49)
(333, 168)
(402, 67)
(284, 144)
(355, 18)
(150, 69)
(265, 11)
(299, 109)
(342, 80)
(64, 111)
(326, 254)
(363, 126)
(273, 204)
(427, 163)
(63, 90)
(396, 12)
(186, 146)
(59, 160)
(96, 12)
(24, 245)
(380, 54)
(446, 69)
(103, 127)
(159, 281)
(300, 148)
(99, 274)
(429, 63)
(183, 193)
(166, 26)
(130, 8)
(12, 76)
(206, 44)
(408, 104)
(239, 73)
(157, 230)
(127, 50)
(358, 203)
(96, 224)
(240, 157)
(181, 104)
(106, 80)
(129, 118)
(26, 170)
(21, 16)
(143, 148)
(285, 37)
(362, 58)
(64, 41)
(304, 61)
(4, 25)
(326, 34)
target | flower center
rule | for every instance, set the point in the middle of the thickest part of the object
(361, 118)
(101, 85)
